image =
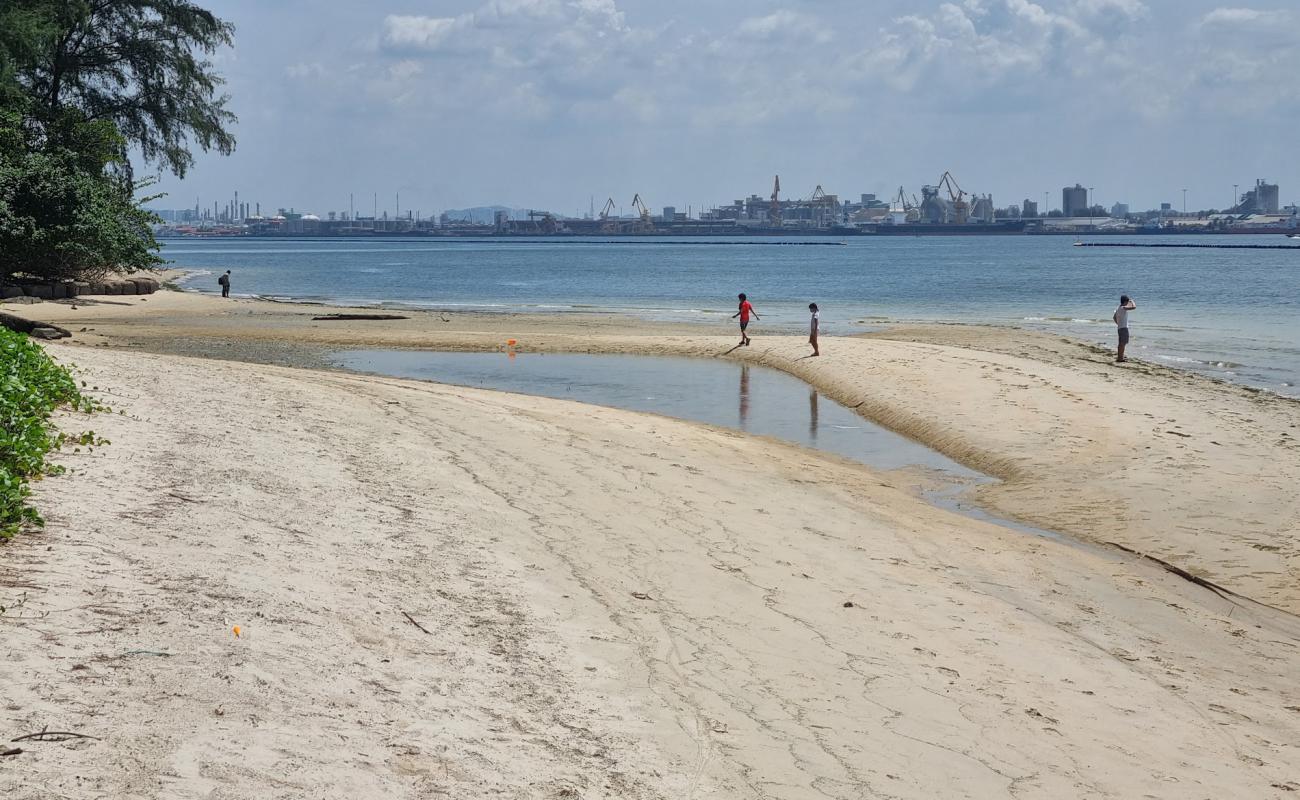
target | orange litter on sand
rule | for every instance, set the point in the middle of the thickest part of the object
(237, 631)
(510, 342)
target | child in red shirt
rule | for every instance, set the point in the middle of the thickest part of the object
(745, 310)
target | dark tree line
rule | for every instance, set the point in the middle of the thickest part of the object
(82, 82)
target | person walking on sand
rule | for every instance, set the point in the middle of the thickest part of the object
(813, 326)
(745, 310)
(1121, 323)
(224, 281)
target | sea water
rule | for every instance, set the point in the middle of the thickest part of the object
(1228, 313)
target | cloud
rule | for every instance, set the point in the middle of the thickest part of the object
(513, 58)
(783, 26)
(1239, 60)
(980, 44)
(1241, 17)
(587, 61)
(425, 33)
(305, 69)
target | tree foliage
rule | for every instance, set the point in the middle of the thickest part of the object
(140, 64)
(64, 213)
(81, 83)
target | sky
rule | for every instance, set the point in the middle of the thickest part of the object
(550, 104)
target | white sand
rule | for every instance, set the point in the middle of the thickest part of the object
(619, 606)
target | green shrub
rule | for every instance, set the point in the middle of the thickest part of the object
(32, 386)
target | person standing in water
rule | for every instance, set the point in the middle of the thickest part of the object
(1121, 323)
(814, 326)
(224, 281)
(745, 310)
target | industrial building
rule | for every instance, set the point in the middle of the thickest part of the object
(1074, 201)
(1263, 199)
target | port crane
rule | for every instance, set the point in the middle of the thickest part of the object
(548, 224)
(774, 208)
(608, 224)
(641, 208)
(911, 209)
(960, 208)
(822, 204)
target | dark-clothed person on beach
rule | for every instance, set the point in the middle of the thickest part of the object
(814, 327)
(1121, 323)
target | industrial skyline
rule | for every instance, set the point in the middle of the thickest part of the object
(818, 206)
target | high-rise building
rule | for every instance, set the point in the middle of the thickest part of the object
(1074, 201)
(1029, 209)
(1119, 210)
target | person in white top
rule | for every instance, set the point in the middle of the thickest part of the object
(1121, 322)
(813, 326)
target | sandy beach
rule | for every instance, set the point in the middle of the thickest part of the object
(1197, 473)
(450, 592)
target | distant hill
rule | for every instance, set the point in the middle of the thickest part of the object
(484, 215)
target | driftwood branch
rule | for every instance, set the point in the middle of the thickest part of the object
(345, 317)
(416, 624)
(39, 736)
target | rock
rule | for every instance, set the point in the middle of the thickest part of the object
(12, 291)
(41, 290)
(143, 285)
(57, 291)
(126, 287)
(22, 300)
(47, 333)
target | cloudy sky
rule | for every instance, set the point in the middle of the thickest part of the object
(546, 103)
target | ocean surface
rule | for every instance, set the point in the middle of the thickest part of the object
(1234, 314)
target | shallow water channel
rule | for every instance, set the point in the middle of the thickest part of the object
(757, 400)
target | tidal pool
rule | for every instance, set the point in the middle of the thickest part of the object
(756, 400)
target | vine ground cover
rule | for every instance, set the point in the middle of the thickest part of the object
(32, 387)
